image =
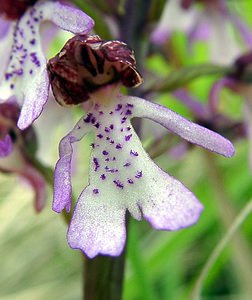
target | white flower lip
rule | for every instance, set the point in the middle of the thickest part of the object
(123, 177)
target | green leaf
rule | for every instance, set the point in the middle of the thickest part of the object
(184, 75)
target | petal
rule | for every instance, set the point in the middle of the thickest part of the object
(67, 17)
(121, 177)
(4, 28)
(166, 203)
(62, 197)
(39, 91)
(189, 131)
(98, 225)
(26, 75)
(6, 40)
(216, 89)
(37, 181)
(6, 146)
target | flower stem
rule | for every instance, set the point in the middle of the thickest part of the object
(241, 257)
(103, 277)
(195, 295)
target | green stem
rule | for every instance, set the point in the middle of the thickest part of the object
(241, 257)
(103, 277)
(195, 295)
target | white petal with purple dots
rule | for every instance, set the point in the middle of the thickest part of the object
(123, 177)
(26, 74)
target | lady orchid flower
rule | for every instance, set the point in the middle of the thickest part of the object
(24, 73)
(122, 177)
(15, 146)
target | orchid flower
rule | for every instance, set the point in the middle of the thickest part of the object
(13, 152)
(213, 24)
(24, 74)
(122, 177)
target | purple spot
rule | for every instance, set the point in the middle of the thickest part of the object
(104, 152)
(113, 158)
(8, 76)
(139, 174)
(133, 153)
(96, 163)
(111, 126)
(118, 146)
(128, 137)
(103, 176)
(107, 129)
(128, 112)
(88, 118)
(100, 136)
(118, 107)
(107, 138)
(34, 59)
(112, 142)
(19, 72)
(100, 112)
(93, 119)
(97, 125)
(33, 42)
(129, 105)
(123, 120)
(111, 113)
(130, 181)
(127, 164)
(12, 86)
(95, 191)
(118, 183)
(128, 128)
(121, 129)
(111, 170)
(107, 159)
(31, 71)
